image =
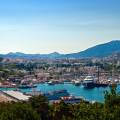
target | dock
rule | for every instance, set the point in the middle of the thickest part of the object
(15, 96)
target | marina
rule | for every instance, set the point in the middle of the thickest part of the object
(94, 94)
(60, 60)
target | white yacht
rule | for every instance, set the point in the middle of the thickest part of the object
(89, 82)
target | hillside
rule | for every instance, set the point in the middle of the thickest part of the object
(102, 50)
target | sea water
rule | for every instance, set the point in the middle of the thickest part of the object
(94, 94)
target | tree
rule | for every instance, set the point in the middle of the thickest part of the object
(17, 111)
(63, 111)
(40, 104)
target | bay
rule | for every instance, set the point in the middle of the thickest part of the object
(95, 94)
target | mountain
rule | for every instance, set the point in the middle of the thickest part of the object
(102, 50)
(30, 56)
(18, 54)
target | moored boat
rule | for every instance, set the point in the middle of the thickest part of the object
(77, 83)
(101, 85)
(89, 82)
(56, 95)
(71, 99)
(27, 86)
(50, 83)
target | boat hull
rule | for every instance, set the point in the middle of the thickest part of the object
(88, 85)
(27, 86)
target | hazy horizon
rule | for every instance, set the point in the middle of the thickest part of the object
(58, 51)
(64, 26)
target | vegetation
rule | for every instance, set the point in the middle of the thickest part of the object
(38, 108)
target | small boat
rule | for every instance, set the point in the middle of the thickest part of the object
(27, 86)
(71, 99)
(66, 81)
(56, 95)
(77, 83)
(53, 82)
(50, 83)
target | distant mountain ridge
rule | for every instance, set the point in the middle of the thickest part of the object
(30, 56)
(102, 50)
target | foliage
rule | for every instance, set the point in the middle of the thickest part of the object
(38, 108)
(17, 111)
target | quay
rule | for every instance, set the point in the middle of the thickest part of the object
(8, 96)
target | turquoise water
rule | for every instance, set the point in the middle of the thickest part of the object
(96, 94)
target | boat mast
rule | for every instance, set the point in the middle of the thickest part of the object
(98, 73)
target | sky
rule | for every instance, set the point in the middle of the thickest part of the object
(65, 26)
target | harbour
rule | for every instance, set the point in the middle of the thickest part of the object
(60, 60)
(94, 94)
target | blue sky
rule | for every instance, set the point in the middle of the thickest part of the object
(45, 26)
